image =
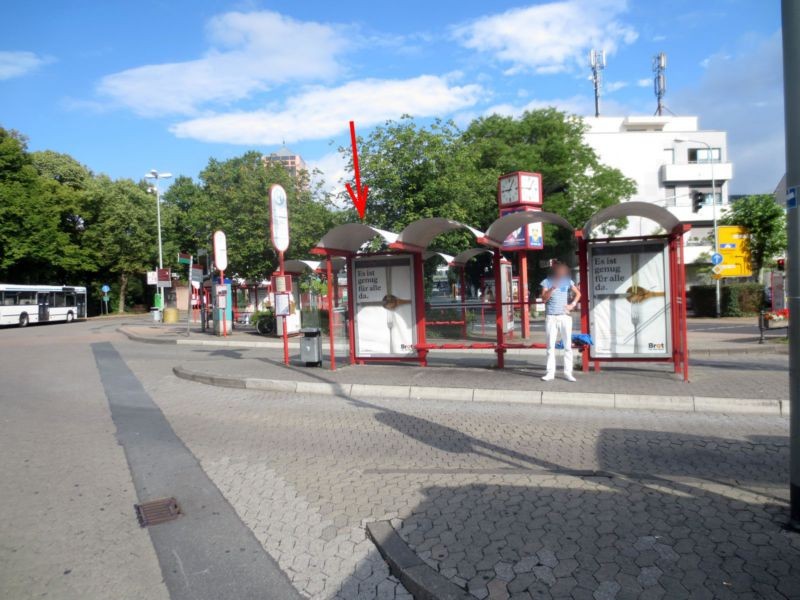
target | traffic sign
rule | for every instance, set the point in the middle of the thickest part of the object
(717, 269)
(105, 289)
(279, 221)
(220, 250)
(152, 278)
(735, 251)
(716, 258)
(197, 273)
(184, 259)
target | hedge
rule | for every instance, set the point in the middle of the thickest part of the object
(736, 299)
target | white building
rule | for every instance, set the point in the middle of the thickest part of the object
(668, 159)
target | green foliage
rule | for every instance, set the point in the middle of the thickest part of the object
(736, 300)
(766, 221)
(415, 172)
(232, 196)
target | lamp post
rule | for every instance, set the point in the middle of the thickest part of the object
(714, 204)
(153, 174)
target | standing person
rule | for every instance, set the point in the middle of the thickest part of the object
(556, 291)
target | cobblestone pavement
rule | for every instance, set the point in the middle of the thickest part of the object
(506, 501)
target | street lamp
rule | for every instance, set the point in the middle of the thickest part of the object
(714, 204)
(153, 174)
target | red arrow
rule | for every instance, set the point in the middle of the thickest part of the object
(359, 197)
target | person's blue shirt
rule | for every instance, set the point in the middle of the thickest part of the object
(560, 297)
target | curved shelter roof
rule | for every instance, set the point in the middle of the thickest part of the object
(348, 238)
(656, 213)
(441, 255)
(462, 258)
(419, 234)
(500, 229)
(301, 266)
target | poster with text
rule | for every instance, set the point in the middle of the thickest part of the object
(629, 308)
(385, 320)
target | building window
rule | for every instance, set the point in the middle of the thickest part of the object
(670, 196)
(702, 155)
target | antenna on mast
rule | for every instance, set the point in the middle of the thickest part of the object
(597, 61)
(660, 81)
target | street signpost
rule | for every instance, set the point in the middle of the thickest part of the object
(221, 261)
(790, 13)
(105, 289)
(279, 227)
(716, 258)
(187, 259)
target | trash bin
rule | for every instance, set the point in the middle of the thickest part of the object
(156, 312)
(311, 346)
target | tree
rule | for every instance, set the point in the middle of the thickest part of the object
(415, 172)
(39, 228)
(233, 196)
(575, 184)
(766, 221)
(123, 240)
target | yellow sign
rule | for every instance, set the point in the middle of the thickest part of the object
(735, 252)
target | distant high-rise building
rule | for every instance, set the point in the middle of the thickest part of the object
(292, 162)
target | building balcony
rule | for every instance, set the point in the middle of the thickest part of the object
(696, 172)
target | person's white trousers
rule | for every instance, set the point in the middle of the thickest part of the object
(558, 326)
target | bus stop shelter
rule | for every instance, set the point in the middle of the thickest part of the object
(386, 286)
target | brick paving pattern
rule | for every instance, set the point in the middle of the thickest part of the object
(506, 501)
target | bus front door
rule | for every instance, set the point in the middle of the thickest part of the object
(44, 307)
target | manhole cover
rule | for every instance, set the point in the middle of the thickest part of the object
(157, 511)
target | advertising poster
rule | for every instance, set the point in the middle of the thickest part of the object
(385, 323)
(509, 294)
(530, 237)
(629, 300)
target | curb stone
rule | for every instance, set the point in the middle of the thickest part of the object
(591, 400)
(698, 353)
(421, 580)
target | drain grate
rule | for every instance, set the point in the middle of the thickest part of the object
(157, 511)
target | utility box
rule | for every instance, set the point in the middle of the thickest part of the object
(311, 346)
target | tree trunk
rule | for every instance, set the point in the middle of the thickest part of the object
(123, 288)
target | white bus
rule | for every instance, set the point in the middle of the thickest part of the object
(23, 304)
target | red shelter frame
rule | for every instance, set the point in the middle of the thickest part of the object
(676, 272)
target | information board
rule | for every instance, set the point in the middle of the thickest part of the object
(383, 296)
(735, 251)
(629, 309)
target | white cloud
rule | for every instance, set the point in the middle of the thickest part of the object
(333, 172)
(549, 38)
(743, 95)
(19, 63)
(249, 53)
(614, 86)
(645, 82)
(575, 105)
(322, 112)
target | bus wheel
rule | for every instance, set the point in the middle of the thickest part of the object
(23, 320)
(70, 317)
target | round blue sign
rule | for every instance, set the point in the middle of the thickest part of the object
(716, 258)
(105, 289)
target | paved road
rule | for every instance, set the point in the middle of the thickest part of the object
(491, 495)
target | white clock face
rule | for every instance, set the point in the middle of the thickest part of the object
(530, 189)
(509, 193)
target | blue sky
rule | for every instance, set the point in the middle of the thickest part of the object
(129, 86)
